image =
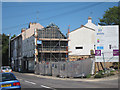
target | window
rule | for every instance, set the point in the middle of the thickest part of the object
(109, 46)
(79, 47)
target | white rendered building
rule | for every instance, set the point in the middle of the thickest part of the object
(82, 40)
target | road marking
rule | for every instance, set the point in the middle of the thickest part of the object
(30, 82)
(18, 78)
(45, 86)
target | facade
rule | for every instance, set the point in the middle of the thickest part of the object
(28, 48)
(51, 44)
(82, 41)
(16, 52)
(38, 44)
(22, 49)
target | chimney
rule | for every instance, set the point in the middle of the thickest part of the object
(82, 25)
(32, 24)
(23, 30)
(89, 20)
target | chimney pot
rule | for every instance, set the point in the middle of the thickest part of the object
(89, 20)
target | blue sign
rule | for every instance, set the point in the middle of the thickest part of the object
(100, 47)
(39, 42)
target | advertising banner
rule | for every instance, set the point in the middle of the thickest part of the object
(107, 43)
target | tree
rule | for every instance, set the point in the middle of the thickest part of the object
(111, 16)
(13, 36)
(5, 47)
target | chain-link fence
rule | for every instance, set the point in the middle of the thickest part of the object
(66, 69)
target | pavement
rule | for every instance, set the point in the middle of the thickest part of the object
(114, 77)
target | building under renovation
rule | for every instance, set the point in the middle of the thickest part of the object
(51, 44)
(38, 44)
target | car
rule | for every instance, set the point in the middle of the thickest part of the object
(9, 82)
(6, 69)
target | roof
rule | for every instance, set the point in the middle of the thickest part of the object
(52, 25)
(16, 37)
(83, 26)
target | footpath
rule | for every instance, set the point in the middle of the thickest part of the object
(114, 77)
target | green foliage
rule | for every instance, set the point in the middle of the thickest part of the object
(5, 46)
(98, 76)
(88, 76)
(112, 74)
(101, 74)
(111, 16)
(112, 71)
(13, 36)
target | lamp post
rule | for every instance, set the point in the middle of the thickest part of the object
(9, 49)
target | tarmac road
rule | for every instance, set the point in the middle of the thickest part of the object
(35, 81)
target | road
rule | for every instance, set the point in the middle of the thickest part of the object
(32, 81)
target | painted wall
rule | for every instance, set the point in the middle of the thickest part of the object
(82, 37)
(28, 40)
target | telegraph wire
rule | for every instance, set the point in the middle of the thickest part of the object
(62, 14)
(43, 11)
(30, 5)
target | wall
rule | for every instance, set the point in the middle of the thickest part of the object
(82, 37)
(28, 39)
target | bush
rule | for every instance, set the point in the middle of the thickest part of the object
(112, 74)
(88, 76)
(98, 76)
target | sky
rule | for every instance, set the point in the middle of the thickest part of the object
(18, 15)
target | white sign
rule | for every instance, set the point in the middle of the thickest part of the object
(107, 42)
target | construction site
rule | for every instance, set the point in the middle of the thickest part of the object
(51, 44)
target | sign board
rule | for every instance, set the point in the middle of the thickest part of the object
(97, 52)
(39, 42)
(107, 43)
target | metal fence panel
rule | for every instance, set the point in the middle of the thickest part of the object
(66, 69)
(48, 68)
(55, 69)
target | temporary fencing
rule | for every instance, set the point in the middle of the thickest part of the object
(66, 69)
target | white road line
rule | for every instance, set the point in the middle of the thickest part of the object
(18, 78)
(30, 82)
(45, 86)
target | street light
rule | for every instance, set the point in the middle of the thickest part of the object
(9, 48)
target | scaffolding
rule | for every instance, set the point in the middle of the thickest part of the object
(53, 46)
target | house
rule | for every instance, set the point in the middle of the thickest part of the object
(52, 44)
(16, 52)
(22, 48)
(82, 41)
(38, 44)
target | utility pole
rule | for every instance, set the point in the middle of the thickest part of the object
(9, 49)
(67, 43)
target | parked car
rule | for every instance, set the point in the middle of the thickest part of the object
(6, 69)
(9, 81)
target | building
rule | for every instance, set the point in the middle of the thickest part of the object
(82, 41)
(51, 44)
(16, 52)
(22, 48)
(38, 44)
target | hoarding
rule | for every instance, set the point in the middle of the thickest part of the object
(107, 43)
